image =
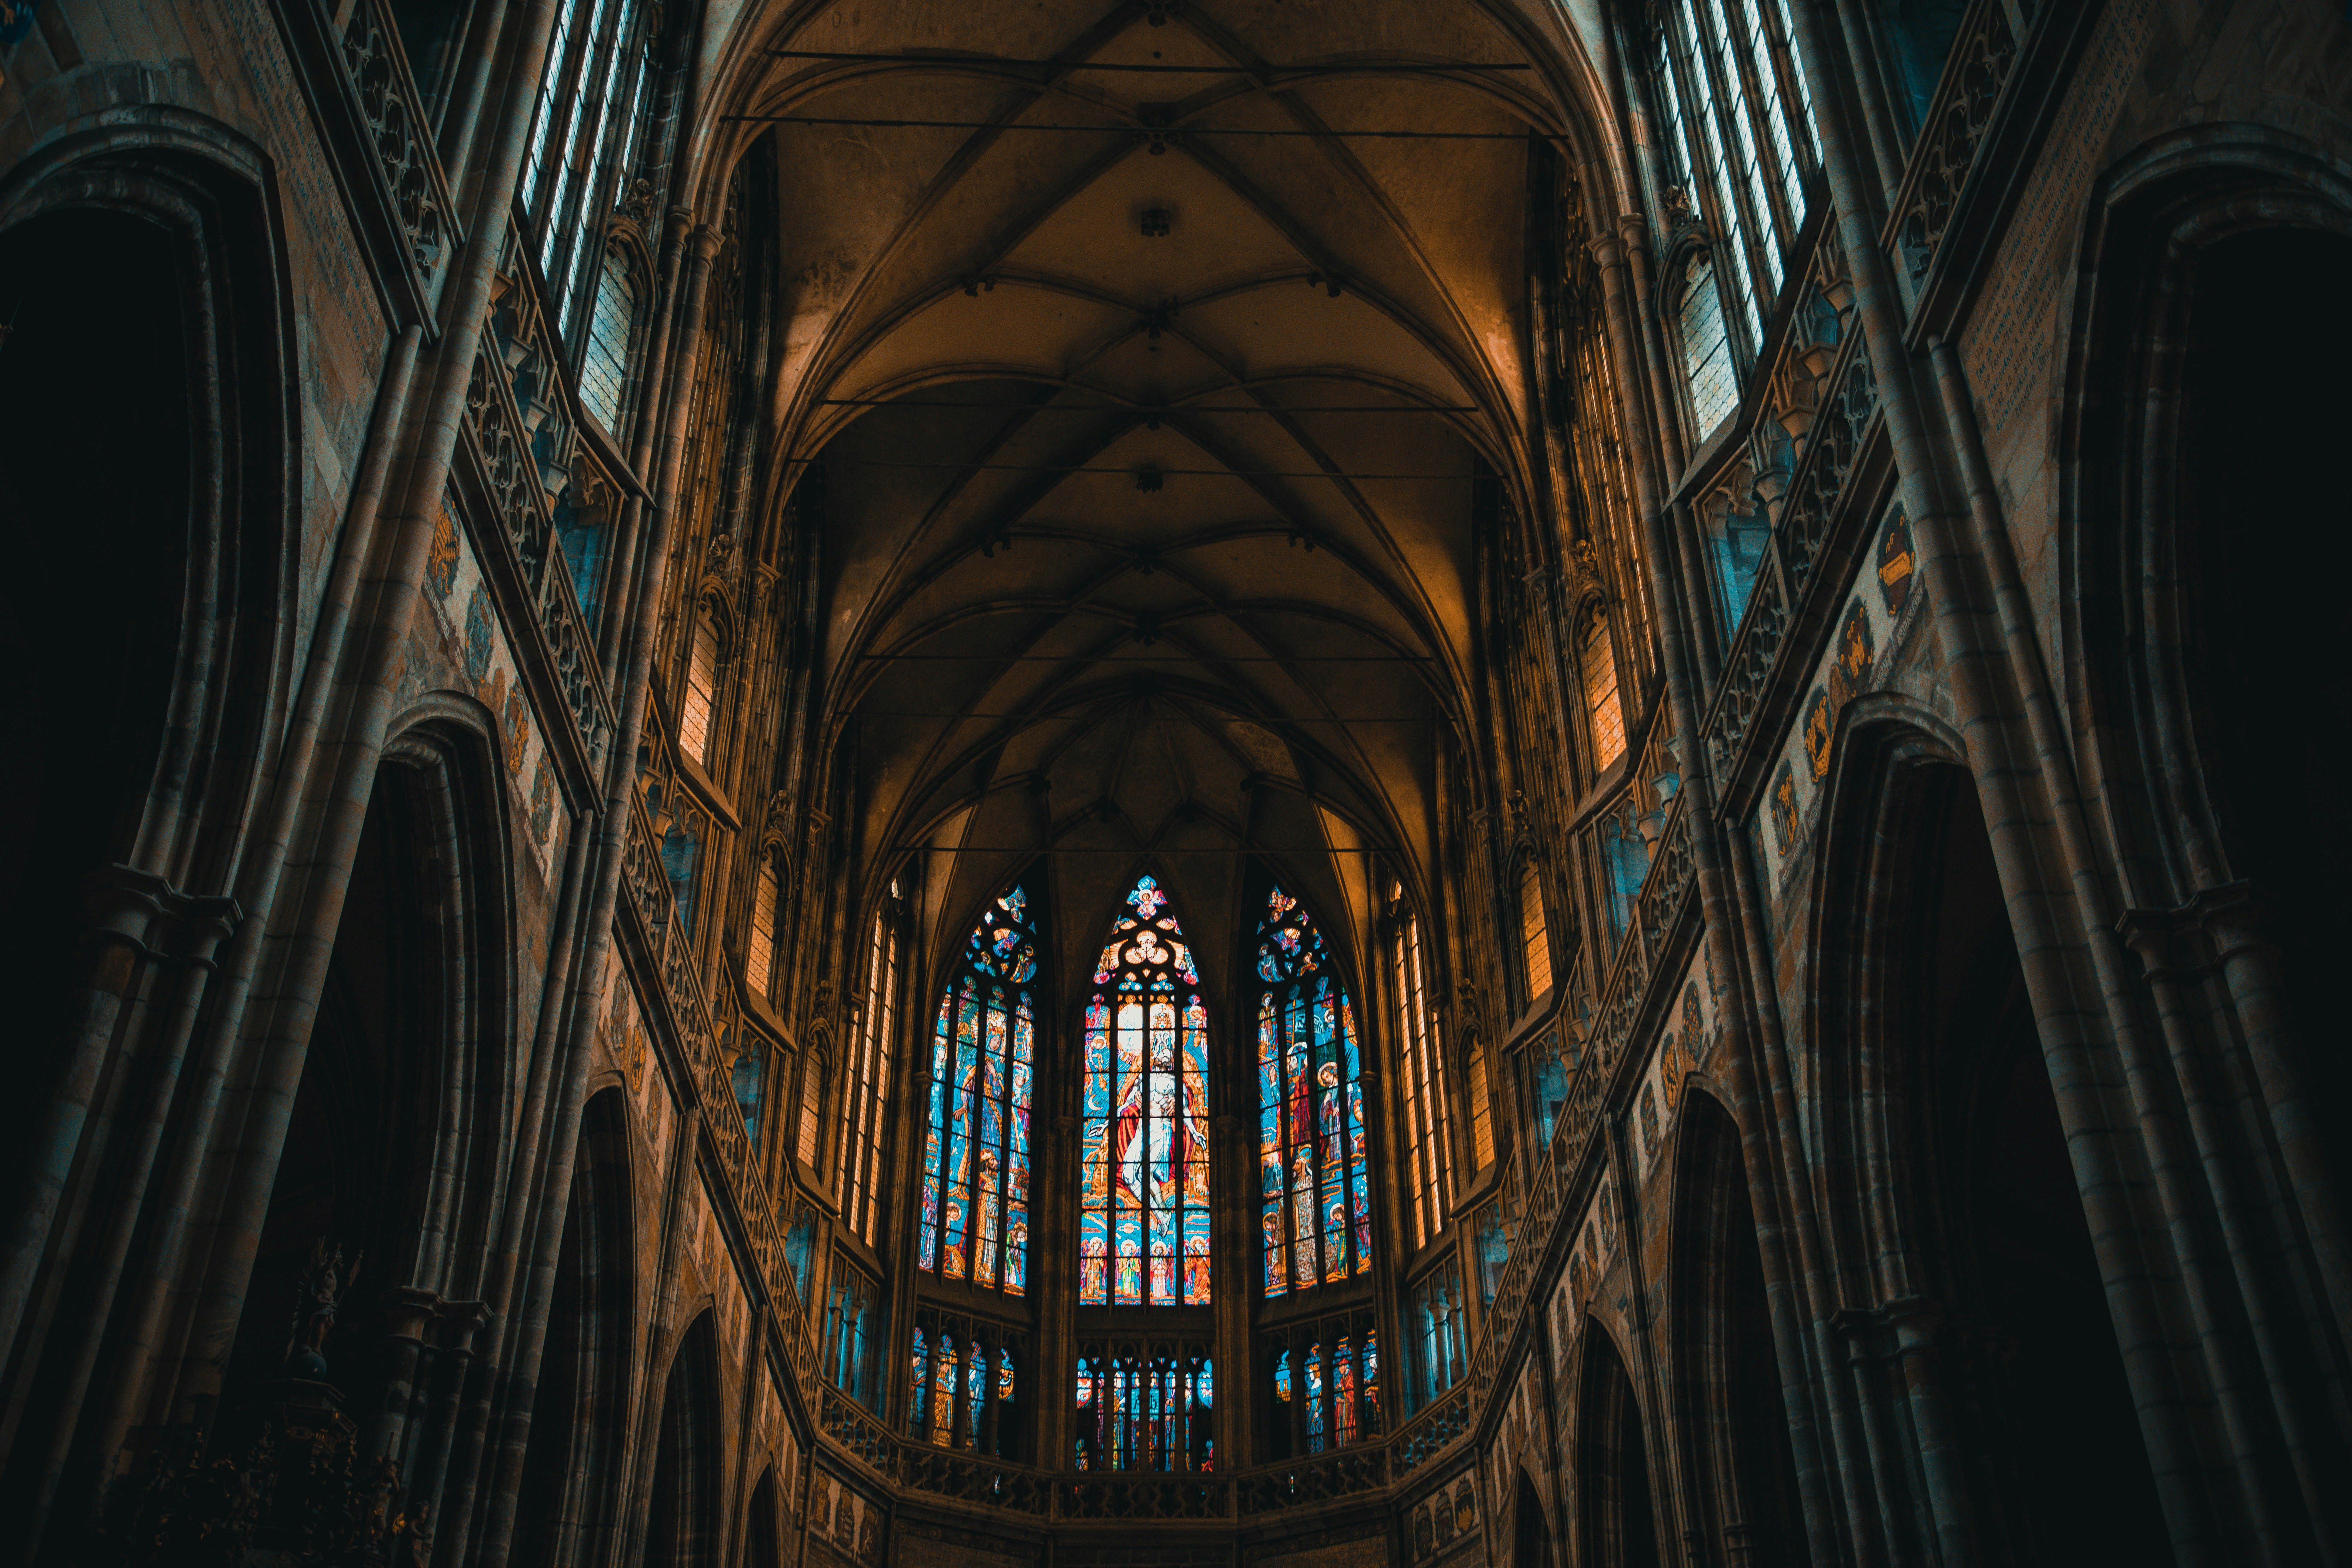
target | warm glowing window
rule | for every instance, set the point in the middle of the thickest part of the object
(701, 682)
(1421, 1066)
(1534, 936)
(869, 1081)
(812, 1110)
(1143, 1221)
(1599, 661)
(974, 1223)
(759, 949)
(1482, 1115)
(1314, 1199)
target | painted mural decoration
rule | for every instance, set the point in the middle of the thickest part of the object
(1870, 628)
(481, 662)
(974, 1223)
(1316, 1216)
(1143, 1226)
(1693, 1027)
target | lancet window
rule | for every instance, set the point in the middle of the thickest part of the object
(1535, 932)
(1143, 1220)
(584, 135)
(1740, 119)
(868, 1086)
(1314, 1202)
(962, 1385)
(1434, 1316)
(1325, 1376)
(1429, 1157)
(1146, 1408)
(974, 1223)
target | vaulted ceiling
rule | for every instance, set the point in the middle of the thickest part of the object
(1152, 467)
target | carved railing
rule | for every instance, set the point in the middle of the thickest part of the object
(1431, 1432)
(1323, 1477)
(971, 1478)
(1144, 1497)
(1810, 509)
(525, 528)
(858, 1433)
(1976, 74)
(650, 898)
(398, 132)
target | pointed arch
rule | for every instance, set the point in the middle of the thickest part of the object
(1143, 1221)
(974, 1221)
(1315, 1192)
(683, 1525)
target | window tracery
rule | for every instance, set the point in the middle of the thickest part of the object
(1146, 1406)
(1325, 1377)
(1316, 1219)
(868, 1083)
(1428, 1153)
(1143, 1223)
(974, 1223)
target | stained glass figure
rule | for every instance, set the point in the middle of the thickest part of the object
(974, 1223)
(1143, 1223)
(1316, 1216)
(1138, 1412)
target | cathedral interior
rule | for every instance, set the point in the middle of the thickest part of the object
(1173, 784)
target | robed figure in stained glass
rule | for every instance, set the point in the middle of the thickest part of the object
(1317, 1218)
(1143, 1233)
(974, 1221)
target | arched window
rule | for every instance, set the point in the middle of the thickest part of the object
(813, 1085)
(1535, 932)
(1143, 1221)
(1740, 116)
(759, 946)
(1599, 661)
(681, 858)
(1316, 1214)
(1707, 365)
(1146, 1408)
(584, 136)
(696, 707)
(749, 1078)
(612, 330)
(869, 1075)
(1422, 1068)
(1482, 1113)
(974, 1223)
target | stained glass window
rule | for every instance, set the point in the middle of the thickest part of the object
(1423, 1071)
(975, 1218)
(1315, 1215)
(869, 1084)
(1143, 1411)
(1143, 1221)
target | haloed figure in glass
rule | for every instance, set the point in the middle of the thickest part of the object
(1316, 1222)
(1143, 1234)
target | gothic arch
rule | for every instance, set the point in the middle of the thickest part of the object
(398, 1136)
(683, 1519)
(567, 1510)
(2156, 220)
(1975, 1303)
(1726, 1380)
(1616, 1496)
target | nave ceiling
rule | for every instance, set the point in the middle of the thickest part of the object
(1152, 549)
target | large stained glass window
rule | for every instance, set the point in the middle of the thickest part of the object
(975, 1218)
(1143, 1221)
(1316, 1216)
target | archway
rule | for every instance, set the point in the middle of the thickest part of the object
(1727, 1386)
(763, 1533)
(564, 1510)
(2259, 434)
(682, 1518)
(1530, 1534)
(1616, 1525)
(2011, 1386)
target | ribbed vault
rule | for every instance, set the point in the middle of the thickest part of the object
(1142, 546)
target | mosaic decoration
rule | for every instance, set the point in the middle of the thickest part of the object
(1316, 1219)
(1143, 1225)
(974, 1223)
